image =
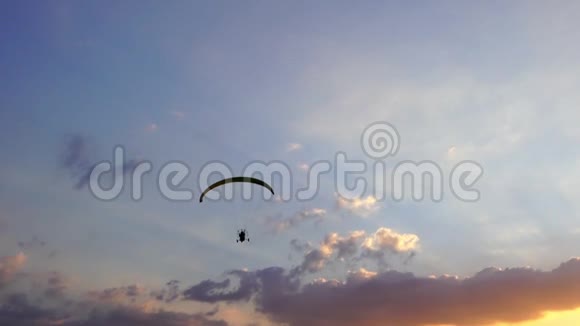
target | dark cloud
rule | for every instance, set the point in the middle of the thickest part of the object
(409, 258)
(168, 294)
(118, 294)
(18, 309)
(56, 285)
(76, 154)
(298, 246)
(403, 299)
(15, 309)
(212, 312)
(264, 283)
(46, 302)
(210, 291)
(129, 316)
(78, 158)
(33, 243)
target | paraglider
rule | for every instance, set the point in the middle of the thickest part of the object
(236, 179)
(242, 233)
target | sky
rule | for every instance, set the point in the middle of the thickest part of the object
(234, 83)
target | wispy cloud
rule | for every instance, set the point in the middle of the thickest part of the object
(169, 293)
(152, 127)
(282, 224)
(303, 167)
(118, 294)
(299, 246)
(78, 158)
(9, 265)
(178, 114)
(33, 243)
(293, 147)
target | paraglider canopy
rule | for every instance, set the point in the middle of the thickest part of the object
(236, 179)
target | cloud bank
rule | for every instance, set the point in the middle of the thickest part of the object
(47, 299)
(402, 299)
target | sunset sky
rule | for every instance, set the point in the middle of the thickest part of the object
(492, 82)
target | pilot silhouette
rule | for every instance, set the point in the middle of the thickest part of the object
(242, 234)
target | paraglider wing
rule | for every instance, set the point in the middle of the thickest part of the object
(236, 179)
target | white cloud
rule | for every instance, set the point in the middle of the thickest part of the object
(360, 275)
(359, 206)
(387, 239)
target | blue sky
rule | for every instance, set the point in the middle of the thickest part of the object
(237, 82)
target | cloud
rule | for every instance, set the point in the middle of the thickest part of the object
(334, 247)
(118, 294)
(298, 246)
(125, 305)
(152, 127)
(353, 248)
(124, 316)
(210, 291)
(362, 207)
(168, 294)
(293, 147)
(362, 274)
(451, 152)
(47, 303)
(56, 285)
(31, 244)
(17, 309)
(385, 241)
(9, 265)
(265, 281)
(313, 214)
(178, 114)
(78, 159)
(403, 299)
(303, 167)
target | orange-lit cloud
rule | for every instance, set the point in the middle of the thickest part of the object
(358, 206)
